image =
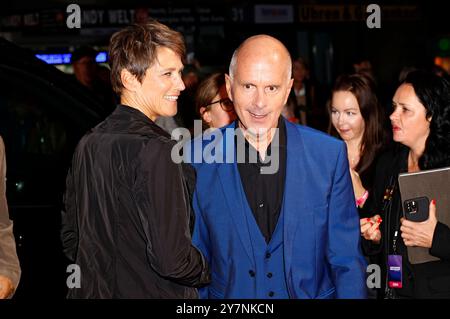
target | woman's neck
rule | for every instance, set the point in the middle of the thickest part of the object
(354, 152)
(413, 161)
(133, 101)
(415, 153)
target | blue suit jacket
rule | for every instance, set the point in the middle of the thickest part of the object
(322, 256)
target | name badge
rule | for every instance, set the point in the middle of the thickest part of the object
(395, 271)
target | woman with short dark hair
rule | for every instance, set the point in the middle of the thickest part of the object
(127, 219)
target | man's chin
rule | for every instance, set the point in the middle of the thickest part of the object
(258, 131)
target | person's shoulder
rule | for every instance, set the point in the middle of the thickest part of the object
(152, 152)
(155, 145)
(316, 138)
(391, 159)
(389, 153)
(315, 133)
(213, 135)
(215, 140)
(147, 139)
(86, 139)
(212, 148)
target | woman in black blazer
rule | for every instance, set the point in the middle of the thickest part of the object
(421, 126)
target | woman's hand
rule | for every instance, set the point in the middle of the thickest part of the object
(420, 234)
(370, 228)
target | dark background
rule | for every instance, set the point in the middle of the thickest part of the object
(410, 31)
(43, 115)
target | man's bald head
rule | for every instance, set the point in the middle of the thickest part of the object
(259, 83)
(261, 47)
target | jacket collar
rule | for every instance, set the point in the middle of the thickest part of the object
(129, 120)
(295, 191)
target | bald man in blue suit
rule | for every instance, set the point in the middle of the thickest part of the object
(307, 243)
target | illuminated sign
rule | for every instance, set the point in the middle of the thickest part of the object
(64, 58)
(317, 13)
(274, 14)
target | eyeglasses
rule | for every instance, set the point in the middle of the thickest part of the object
(226, 104)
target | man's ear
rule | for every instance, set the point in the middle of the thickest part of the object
(291, 82)
(129, 81)
(288, 90)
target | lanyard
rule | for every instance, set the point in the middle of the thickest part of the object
(386, 208)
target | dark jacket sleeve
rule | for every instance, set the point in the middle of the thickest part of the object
(69, 229)
(440, 247)
(163, 200)
(373, 205)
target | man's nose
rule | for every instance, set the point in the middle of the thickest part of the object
(260, 99)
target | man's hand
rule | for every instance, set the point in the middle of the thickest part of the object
(6, 287)
(420, 234)
(370, 228)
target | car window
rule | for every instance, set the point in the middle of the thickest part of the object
(40, 122)
(40, 134)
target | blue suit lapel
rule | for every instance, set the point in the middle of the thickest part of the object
(296, 195)
(235, 198)
(295, 191)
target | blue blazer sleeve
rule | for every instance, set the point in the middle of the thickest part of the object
(344, 252)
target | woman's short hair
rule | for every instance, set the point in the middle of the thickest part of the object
(135, 49)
